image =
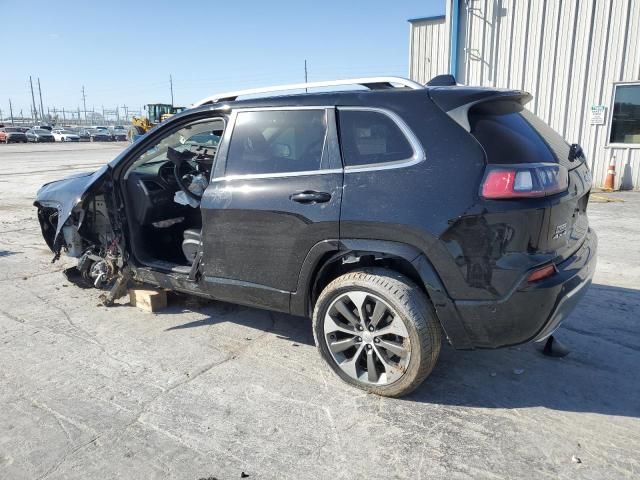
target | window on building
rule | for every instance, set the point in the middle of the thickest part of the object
(274, 141)
(369, 137)
(625, 120)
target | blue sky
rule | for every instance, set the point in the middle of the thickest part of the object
(123, 51)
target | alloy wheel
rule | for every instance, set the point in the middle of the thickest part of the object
(367, 338)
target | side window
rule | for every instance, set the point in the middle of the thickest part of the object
(369, 137)
(277, 141)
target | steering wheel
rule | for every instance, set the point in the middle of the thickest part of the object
(182, 168)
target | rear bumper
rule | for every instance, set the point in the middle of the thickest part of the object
(531, 311)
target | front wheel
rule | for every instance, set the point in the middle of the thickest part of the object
(377, 331)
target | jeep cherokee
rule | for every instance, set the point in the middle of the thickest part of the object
(391, 215)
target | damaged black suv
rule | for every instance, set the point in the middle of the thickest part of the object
(391, 215)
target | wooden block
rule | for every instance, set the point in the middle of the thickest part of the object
(148, 300)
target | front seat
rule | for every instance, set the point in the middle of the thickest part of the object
(191, 243)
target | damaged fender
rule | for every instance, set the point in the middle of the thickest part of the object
(64, 195)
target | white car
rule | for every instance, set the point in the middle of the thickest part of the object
(65, 136)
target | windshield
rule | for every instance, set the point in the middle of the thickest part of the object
(39, 131)
(12, 129)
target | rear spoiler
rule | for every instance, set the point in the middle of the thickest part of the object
(457, 101)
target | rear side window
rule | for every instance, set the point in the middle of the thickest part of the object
(282, 141)
(370, 137)
(506, 135)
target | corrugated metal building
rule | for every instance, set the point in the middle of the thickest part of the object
(579, 59)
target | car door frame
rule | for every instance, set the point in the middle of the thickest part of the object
(121, 163)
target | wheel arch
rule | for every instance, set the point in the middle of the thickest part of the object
(329, 259)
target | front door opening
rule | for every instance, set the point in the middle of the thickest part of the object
(162, 190)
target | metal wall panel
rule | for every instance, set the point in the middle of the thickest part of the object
(567, 53)
(429, 49)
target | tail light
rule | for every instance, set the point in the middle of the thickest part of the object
(525, 180)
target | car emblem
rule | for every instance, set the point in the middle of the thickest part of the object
(561, 231)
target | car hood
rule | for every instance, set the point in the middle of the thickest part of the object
(66, 194)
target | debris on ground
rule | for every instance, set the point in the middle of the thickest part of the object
(575, 459)
(518, 371)
(148, 300)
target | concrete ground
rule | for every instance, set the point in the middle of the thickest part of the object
(213, 390)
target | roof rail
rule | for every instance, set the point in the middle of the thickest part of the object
(373, 83)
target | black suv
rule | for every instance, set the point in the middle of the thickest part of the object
(391, 216)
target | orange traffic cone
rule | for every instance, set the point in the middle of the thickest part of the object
(611, 175)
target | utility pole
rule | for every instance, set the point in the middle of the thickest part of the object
(306, 79)
(64, 117)
(84, 104)
(33, 100)
(11, 111)
(126, 113)
(171, 86)
(41, 107)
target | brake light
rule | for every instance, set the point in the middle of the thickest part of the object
(542, 273)
(527, 180)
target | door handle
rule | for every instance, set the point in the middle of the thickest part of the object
(310, 197)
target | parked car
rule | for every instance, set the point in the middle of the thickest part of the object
(98, 135)
(38, 135)
(62, 135)
(43, 127)
(84, 134)
(12, 135)
(118, 133)
(391, 217)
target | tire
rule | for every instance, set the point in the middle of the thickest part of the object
(405, 310)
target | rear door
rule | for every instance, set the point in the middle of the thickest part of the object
(276, 192)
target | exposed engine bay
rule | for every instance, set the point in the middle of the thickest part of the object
(88, 236)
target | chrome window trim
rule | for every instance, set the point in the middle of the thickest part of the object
(251, 176)
(417, 157)
(418, 152)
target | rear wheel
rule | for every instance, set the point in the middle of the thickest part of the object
(377, 331)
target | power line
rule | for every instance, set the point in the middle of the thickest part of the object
(11, 111)
(41, 107)
(84, 104)
(33, 100)
(171, 85)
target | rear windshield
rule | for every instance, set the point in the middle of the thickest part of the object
(511, 134)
